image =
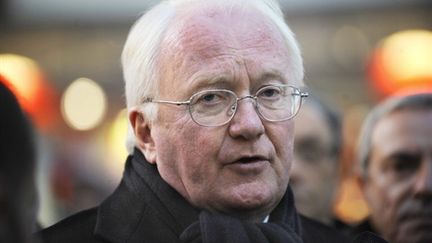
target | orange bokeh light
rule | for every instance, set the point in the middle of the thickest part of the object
(402, 63)
(26, 80)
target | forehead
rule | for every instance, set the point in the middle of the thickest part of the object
(403, 130)
(214, 42)
(210, 30)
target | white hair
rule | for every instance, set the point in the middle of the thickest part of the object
(139, 58)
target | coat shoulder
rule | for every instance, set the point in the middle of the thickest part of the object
(315, 232)
(76, 228)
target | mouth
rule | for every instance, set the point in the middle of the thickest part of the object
(419, 221)
(248, 160)
(419, 224)
(248, 165)
(418, 215)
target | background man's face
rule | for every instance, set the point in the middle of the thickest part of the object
(242, 167)
(399, 183)
(314, 174)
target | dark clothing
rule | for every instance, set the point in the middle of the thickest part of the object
(363, 226)
(341, 226)
(365, 232)
(144, 208)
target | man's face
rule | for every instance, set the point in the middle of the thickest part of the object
(399, 183)
(314, 174)
(240, 168)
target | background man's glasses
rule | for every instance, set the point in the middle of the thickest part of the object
(217, 107)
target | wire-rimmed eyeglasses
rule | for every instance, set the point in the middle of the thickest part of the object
(216, 107)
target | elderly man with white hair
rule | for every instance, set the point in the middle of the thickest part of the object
(212, 87)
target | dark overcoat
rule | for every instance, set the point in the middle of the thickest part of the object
(145, 209)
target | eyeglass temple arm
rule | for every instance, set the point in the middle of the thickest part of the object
(151, 100)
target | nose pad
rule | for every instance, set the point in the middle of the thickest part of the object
(235, 105)
(232, 109)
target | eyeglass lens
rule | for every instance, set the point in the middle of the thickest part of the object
(217, 107)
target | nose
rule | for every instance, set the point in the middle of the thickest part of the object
(246, 122)
(423, 183)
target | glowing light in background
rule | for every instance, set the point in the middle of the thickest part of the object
(26, 79)
(18, 69)
(117, 140)
(83, 104)
(403, 61)
(408, 54)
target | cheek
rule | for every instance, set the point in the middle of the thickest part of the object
(200, 148)
(383, 198)
(377, 195)
(201, 141)
(185, 155)
(391, 190)
(282, 138)
(397, 193)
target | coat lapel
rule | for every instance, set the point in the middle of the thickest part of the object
(143, 208)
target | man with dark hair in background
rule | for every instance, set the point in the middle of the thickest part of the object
(395, 158)
(316, 171)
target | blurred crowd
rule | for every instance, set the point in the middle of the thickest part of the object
(393, 169)
(389, 166)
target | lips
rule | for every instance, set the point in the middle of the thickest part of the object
(248, 165)
(248, 159)
(253, 159)
(419, 214)
(419, 221)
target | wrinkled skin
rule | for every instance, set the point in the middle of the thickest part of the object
(398, 188)
(241, 168)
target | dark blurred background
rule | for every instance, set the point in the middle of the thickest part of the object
(63, 58)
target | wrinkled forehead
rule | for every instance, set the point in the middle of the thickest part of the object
(404, 129)
(206, 30)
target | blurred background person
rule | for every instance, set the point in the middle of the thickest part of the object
(395, 155)
(315, 175)
(18, 204)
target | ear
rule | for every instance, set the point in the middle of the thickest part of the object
(143, 136)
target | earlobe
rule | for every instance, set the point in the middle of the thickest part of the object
(143, 136)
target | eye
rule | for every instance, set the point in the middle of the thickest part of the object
(210, 98)
(310, 150)
(270, 92)
(404, 163)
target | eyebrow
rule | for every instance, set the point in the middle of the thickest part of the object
(209, 81)
(224, 81)
(273, 75)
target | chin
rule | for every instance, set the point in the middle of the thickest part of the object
(247, 199)
(255, 198)
(253, 208)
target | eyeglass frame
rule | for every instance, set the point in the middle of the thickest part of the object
(297, 91)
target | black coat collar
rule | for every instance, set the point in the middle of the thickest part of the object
(143, 206)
